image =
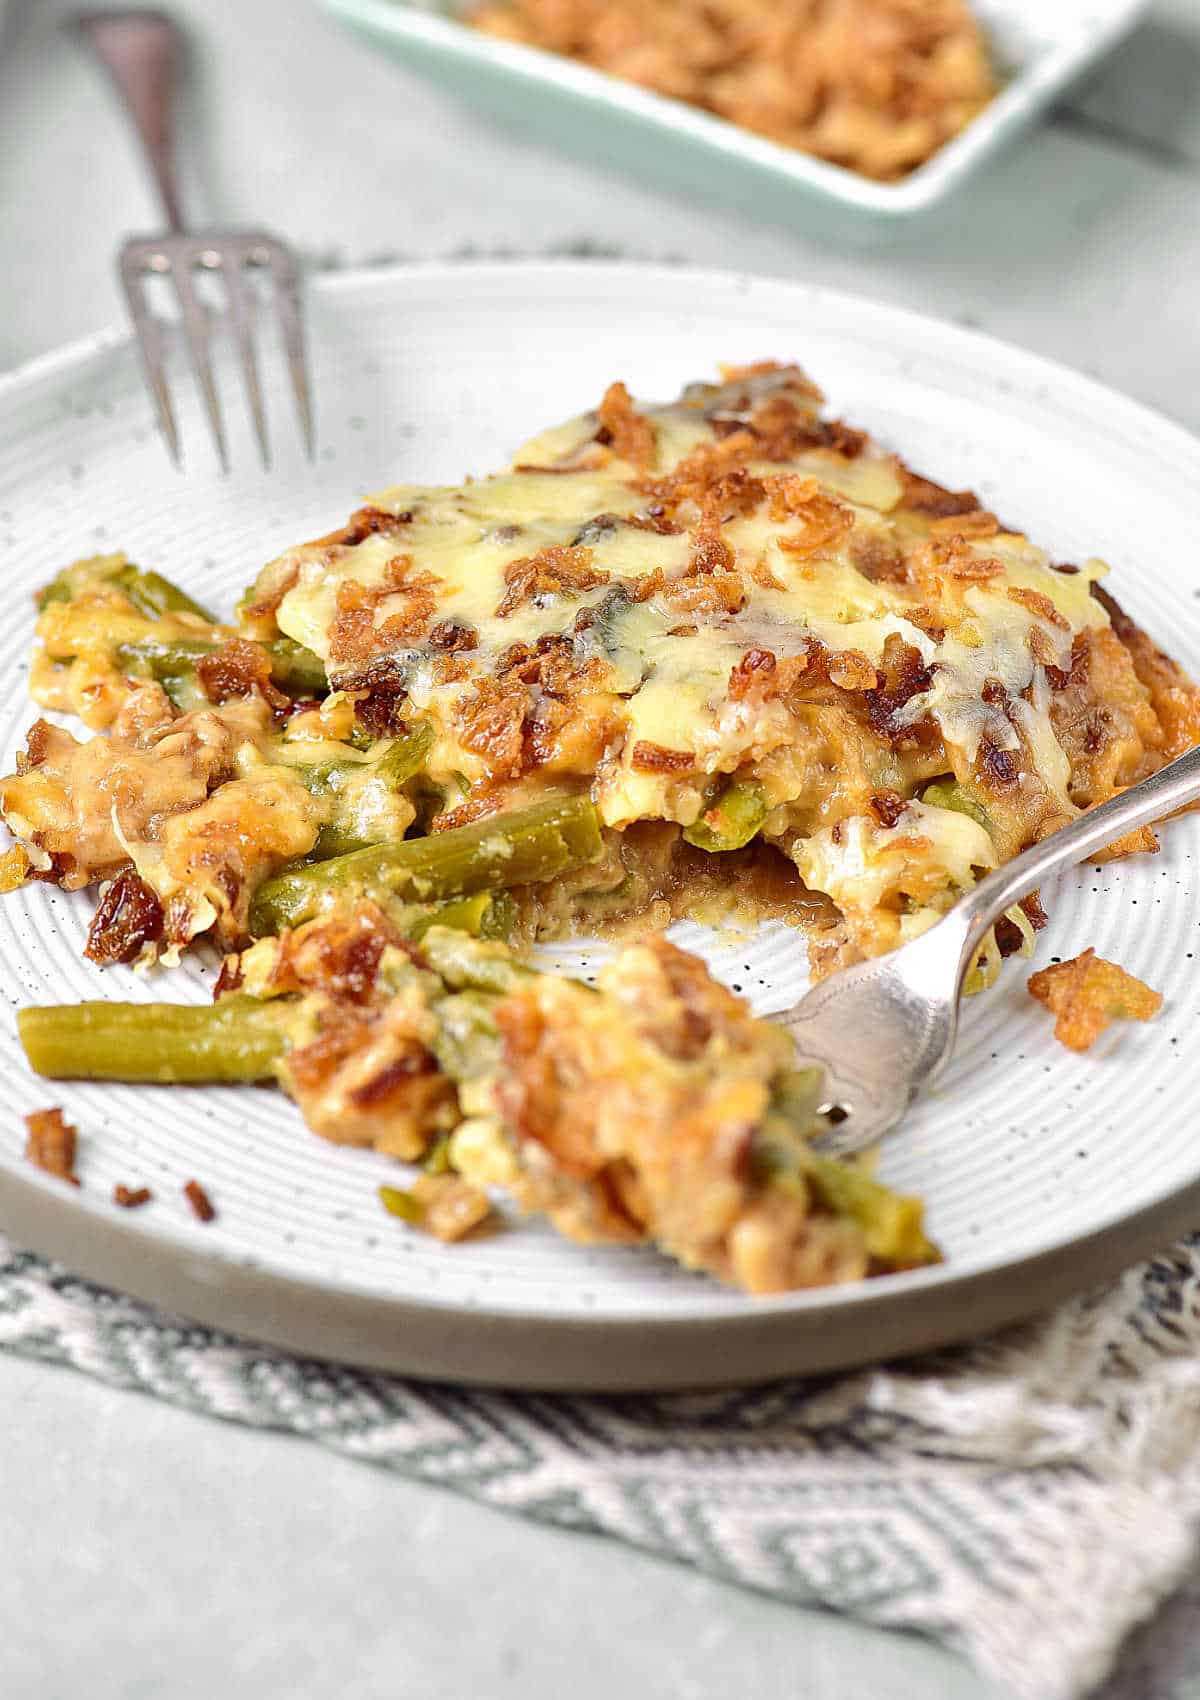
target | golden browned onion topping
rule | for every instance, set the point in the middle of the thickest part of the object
(874, 85)
(1086, 995)
(51, 1144)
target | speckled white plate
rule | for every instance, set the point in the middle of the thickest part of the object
(1043, 1172)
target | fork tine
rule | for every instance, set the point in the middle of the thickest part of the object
(288, 305)
(195, 330)
(150, 346)
(242, 312)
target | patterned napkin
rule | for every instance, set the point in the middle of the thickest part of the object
(1028, 1500)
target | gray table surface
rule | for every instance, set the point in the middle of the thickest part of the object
(151, 1553)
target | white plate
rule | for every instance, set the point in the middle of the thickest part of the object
(1041, 46)
(1042, 1171)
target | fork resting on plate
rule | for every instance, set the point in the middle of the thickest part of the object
(885, 1028)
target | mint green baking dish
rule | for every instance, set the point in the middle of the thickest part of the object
(1042, 47)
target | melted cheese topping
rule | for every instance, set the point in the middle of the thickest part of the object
(981, 614)
(996, 645)
(911, 872)
(465, 536)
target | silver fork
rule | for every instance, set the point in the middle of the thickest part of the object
(885, 1028)
(141, 52)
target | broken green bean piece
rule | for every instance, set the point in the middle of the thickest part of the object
(484, 915)
(891, 1223)
(467, 1045)
(239, 1039)
(731, 820)
(398, 1202)
(472, 964)
(61, 588)
(950, 794)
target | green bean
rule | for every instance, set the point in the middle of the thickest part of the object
(797, 1096)
(154, 595)
(950, 794)
(237, 1039)
(891, 1223)
(185, 692)
(337, 839)
(500, 919)
(397, 1201)
(471, 964)
(150, 593)
(399, 763)
(293, 668)
(467, 1045)
(782, 1143)
(406, 757)
(436, 1160)
(520, 848)
(59, 589)
(344, 781)
(731, 820)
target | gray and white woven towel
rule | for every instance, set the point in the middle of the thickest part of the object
(1028, 1500)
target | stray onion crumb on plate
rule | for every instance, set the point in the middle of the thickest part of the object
(1087, 994)
(200, 1202)
(131, 1197)
(51, 1144)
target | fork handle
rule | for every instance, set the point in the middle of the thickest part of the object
(141, 51)
(1171, 788)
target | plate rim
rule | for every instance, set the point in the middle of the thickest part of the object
(116, 338)
(542, 1352)
(1022, 100)
(49, 1218)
